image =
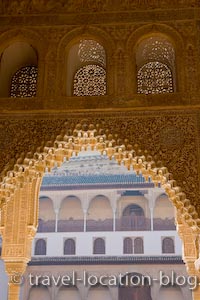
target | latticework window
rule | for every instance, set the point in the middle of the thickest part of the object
(99, 246)
(155, 59)
(155, 78)
(40, 247)
(69, 247)
(24, 82)
(92, 51)
(138, 246)
(90, 72)
(168, 245)
(90, 80)
(128, 246)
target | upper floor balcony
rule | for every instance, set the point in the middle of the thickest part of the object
(125, 223)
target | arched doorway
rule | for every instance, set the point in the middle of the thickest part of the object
(133, 217)
(170, 292)
(135, 286)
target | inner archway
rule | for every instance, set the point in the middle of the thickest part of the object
(134, 286)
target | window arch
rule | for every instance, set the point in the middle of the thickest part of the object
(133, 210)
(40, 247)
(168, 245)
(24, 82)
(133, 218)
(155, 60)
(128, 246)
(39, 292)
(99, 246)
(69, 247)
(86, 69)
(138, 245)
(18, 70)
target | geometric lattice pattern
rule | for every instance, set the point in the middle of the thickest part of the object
(154, 78)
(90, 80)
(24, 82)
(158, 49)
(91, 51)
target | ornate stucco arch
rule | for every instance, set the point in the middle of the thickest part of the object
(24, 35)
(19, 193)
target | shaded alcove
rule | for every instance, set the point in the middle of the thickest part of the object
(39, 292)
(69, 293)
(100, 214)
(170, 292)
(98, 293)
(70, 217)
(47, 217)
(135, 286)
(15, 57)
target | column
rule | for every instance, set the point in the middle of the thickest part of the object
(85, 220)
(151, 196)
(114, 219)
(151, 212)
(196, 294)
(56, 222)
(13, 291)
(15, 272)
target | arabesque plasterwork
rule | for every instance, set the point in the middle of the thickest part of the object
(158, 134)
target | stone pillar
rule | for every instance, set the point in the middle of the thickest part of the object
(15, 271)
(18, 229)
(85, 220)
(56, 221)
(196, 294)
(190, 238)
(114, 220)
(151, 213)
(151, 196)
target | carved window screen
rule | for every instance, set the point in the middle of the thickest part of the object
(90, 77)
(90, 80)
(155, 78)
(155, 59)
(24, 82)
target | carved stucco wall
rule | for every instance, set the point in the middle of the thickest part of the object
(167, 126)
(171, 138)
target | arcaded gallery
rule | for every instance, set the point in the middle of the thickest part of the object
(99, 150)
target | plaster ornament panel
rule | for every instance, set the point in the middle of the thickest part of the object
(54, 34)
(121, 32)
(14, 251)
(152, 4)
(47, 6)
(191, 70)
(121, 70)
(186, 28)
